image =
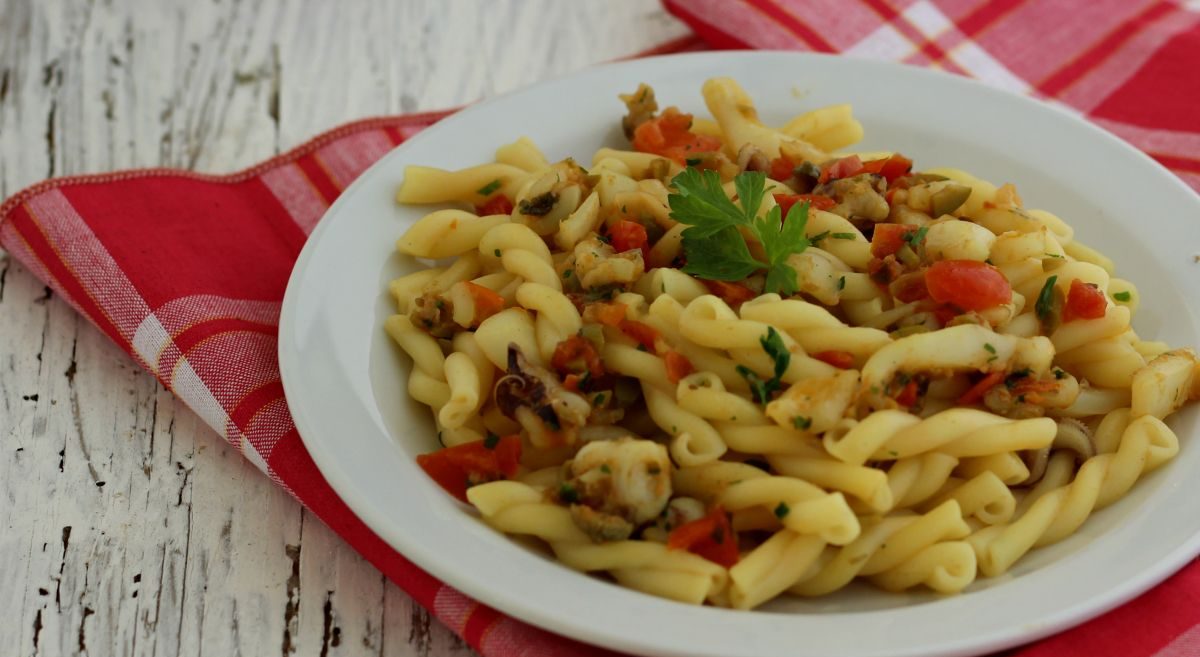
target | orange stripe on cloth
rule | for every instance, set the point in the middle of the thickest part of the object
(926, 45)
(1076, 68)
(196, 333)
(789, 22)
(254, 401)
(316, 176)
(481, 620)
(27, 226)
(986, 16)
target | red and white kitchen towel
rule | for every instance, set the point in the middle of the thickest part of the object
(186, 272)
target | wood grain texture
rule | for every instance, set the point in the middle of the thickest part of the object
(123, 523)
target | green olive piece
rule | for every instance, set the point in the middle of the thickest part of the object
(928, 177)
(948, 199)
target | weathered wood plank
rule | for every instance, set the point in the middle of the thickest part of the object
(125, 523)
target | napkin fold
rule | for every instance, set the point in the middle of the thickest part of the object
(186, 272)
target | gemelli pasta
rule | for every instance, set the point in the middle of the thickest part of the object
(728, 361)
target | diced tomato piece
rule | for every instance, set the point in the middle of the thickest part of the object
(781, 169)
(888, 238)
(456, 468)
(576, 355)
(629, 235)
(608, 314)
(908, 395)
(890, 168)
(967, 284)
(1084, 301)
(571, 382)
(816, 201)
(498, 204)
(732, 294)
(977, 391)
(487, 302)
(843, 168)
(643, 334)
(678, 366)
(670, 135)
(842, 360)
(710, 537)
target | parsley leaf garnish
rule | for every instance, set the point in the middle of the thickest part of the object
(782, 510)
(714, 244)
(487, 189)
(491, 441)
(1045, 300)
(916, 237)
(1122, 296)
(722, 256)
(844, 236)
(773, 344)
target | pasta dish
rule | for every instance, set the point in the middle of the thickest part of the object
(732, 361)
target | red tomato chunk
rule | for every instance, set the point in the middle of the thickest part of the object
(967, 284)
(457, 468)
(1084, 301)
(710, 537)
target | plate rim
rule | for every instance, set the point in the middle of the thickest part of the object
(341, 481)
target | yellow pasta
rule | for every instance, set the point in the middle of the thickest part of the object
(726, 363)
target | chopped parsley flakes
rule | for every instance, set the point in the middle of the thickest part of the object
(487, 189)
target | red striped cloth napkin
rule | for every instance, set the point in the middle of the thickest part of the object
(1130, 66)
(186, 271)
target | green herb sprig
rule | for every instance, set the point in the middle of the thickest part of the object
(773, 344)
(714, 244)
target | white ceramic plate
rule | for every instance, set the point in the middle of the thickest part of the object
(345, 380)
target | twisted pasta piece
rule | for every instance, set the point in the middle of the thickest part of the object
(512, 326)
(517, 508)
(959, 432)
(557, 319)
(446, 233)
(694, 441)
(521, 252)
(709, 322)
(433, 185)
(770, 568)
(985, 497)
(523, 154)
(1108, 362)
(665, 315)
(917, 478)
(813, 327)
(469, 376)
(964, 347)
(427, 381)
(704, 394)
(799, 505)
(1144, 444)
(888, 548)
(867, 484)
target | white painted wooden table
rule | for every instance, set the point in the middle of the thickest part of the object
(123, 523)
